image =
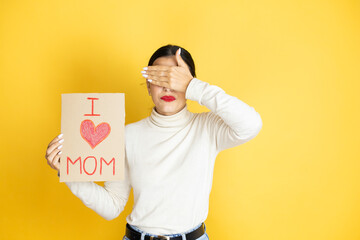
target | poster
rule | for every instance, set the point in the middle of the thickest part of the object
(93, 125)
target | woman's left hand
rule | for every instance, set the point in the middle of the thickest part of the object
(176, 78)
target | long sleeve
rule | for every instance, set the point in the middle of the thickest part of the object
(232, 122)
(108, 201)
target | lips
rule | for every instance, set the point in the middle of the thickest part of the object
(168, 98)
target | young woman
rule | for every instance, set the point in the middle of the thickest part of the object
(170, 155)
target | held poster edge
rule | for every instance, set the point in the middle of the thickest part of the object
(93, 162)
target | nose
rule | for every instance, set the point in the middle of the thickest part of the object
(167, 89)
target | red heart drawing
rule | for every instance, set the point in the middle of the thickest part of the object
(94, 135)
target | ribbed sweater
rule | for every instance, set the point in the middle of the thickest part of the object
(169, 162)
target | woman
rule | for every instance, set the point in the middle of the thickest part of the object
(170, 155)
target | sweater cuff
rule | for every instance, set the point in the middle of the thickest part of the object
(195, 90)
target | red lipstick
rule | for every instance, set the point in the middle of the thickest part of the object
(168, 98)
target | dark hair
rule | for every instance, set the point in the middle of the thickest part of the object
(170, 50)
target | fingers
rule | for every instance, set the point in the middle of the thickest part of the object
(160, 75)
(54, 159)
(159, 68)
(57, 138)
(51, 147)
(157, 73)
(163, 76)
(53, 152)
(158, 78)
(160, 83)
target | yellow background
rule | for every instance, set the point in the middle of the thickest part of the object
(296, 62)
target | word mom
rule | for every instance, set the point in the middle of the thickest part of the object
(83, 163)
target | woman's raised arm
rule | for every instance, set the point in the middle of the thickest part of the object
(232, 122)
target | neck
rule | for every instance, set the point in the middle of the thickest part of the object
(178, 119)
(169, 114)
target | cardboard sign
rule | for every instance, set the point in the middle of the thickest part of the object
(93, 125)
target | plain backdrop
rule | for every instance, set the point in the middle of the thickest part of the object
(296, 62)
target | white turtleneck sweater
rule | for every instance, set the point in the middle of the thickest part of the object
(170, 162)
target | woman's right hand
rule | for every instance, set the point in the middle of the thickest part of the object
(53, 152)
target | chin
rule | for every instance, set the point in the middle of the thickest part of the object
(169, 110)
